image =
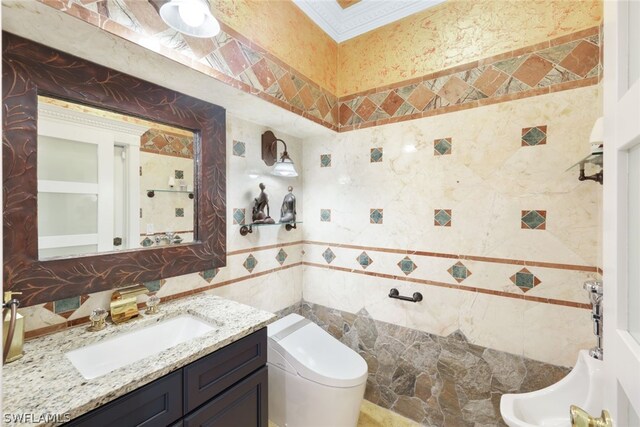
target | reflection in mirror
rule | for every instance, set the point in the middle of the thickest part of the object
(109, 182)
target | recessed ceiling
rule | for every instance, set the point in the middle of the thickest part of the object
(345, 19)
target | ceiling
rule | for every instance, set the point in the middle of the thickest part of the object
(345, 19)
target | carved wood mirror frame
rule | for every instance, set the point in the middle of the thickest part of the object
(31, 69)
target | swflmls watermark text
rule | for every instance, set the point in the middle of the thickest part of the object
(32, 418)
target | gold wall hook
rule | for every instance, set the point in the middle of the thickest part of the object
(580, 418)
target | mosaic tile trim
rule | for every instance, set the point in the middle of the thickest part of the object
(533, 220)
(325, 160)
(239, 216)
(442, 146)
(281, 256)
(442, 218)
(565, 63)
(459, 271)
(376, 216)
(250, 263)
(325, 215)
(525, 280)
(228, 57)
(407, 265)
(376, 155)
(536, 135)
(364, 260)
(239, 148)
(169, 144)
(431, 379)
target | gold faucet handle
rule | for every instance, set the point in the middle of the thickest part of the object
(97, 318)
(580, 418)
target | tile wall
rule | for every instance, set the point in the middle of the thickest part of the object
(476, 210)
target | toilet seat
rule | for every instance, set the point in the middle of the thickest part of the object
(303, 348)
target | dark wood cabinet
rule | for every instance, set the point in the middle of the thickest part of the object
(226, 388)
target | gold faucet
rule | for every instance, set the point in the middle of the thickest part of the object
(123, 305)
(580, 418)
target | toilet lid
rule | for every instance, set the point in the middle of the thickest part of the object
(317, 356)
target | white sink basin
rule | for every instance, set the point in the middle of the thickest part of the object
(549, 407)
(101, 358)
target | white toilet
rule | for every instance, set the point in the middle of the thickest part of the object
(314, 379)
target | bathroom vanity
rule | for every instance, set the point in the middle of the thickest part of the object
(217, 379)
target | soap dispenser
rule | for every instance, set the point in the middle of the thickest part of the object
(12, 328)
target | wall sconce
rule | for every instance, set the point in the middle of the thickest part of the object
(284, 166)
(191, 17)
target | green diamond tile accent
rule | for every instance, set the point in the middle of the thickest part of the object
(250, 263)
(442, 217)
(66, 305)
(328, 255)
(325, 160)
(281, 256)
(238, 216)
(407, 265)
(525, 280)
(534, 220)
(179, 174)
(179, 212)
(146, 242)
(364, 260)
(459, 271)
(210, 274)
(376, 216)
(534, 136)
(239, 148)
(325, 215)
(442, 146)
(154, 285)
(376, 155)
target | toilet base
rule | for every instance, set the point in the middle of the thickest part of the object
(297, 402)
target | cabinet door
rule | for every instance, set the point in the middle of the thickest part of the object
(243, 405)
(156, 404)
(215, 373)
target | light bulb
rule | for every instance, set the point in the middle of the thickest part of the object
(191, 14)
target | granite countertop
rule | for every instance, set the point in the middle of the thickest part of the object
(44, 383)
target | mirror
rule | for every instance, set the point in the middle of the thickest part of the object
(42, 176)
(109, 181)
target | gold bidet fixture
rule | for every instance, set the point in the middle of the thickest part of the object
(580, 418)
(124, 305)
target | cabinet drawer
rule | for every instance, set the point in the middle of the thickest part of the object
(243, 405)
(156, 404)
(213, 374)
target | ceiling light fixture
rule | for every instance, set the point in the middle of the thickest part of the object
(284, 166)
(191, 17)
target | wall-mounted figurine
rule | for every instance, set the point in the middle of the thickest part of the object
(288, 210)
(260, 203)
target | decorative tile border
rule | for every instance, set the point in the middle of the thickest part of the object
(533, 220)
(325, 160)
(376, 155)
(567, 62)
(407, 265)
(442, 217)
(166, 143)
(281, 256)
(325, 215)
(239, 216)
(442, 146)
(228, 57)
(525, 280)
(459, 271)
(250, 263)
(364, 260)
(376, 216)
(239, 148)
(564, 63)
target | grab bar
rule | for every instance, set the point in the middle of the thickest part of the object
(394, 293)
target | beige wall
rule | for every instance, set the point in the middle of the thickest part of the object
(281, 28)
(487, 181)
(454, 33)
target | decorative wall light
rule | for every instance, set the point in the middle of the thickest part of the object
(284, 166)
(191, 17)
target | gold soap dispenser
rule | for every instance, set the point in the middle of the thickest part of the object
(12, 328)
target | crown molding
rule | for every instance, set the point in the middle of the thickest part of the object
(344, 24)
